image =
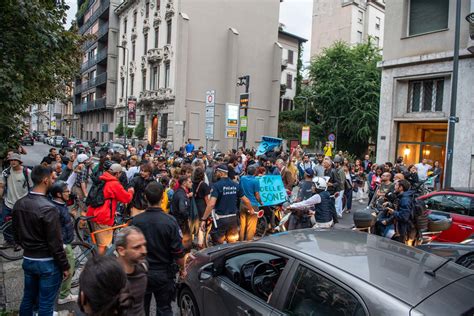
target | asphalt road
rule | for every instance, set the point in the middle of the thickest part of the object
(35, 153)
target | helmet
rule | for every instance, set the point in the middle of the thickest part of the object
(82, 158)
(321, 183)
(58, 187)
(107, 164)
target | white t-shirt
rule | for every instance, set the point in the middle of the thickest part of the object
(422, 170)
(17, 187)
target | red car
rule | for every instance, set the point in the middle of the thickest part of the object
(458, 204)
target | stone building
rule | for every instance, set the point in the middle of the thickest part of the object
(417, 70)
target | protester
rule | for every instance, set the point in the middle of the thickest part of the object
(181, 208)
(139, 183)
(250, 186)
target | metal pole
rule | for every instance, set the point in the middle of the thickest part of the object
(306, 112)
(454, 92)
(247, 84)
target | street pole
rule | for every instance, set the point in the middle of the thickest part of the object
(337, 129)
(244, 137)
(125, 127)
(454, 92)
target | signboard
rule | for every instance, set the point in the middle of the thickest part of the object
(244, 100)
(230, 132)
(272, 190)
(132, 111)
(305, 136)
(267, 144)
(232, 115)
(243, 123)
(332, 137)
(210, 111)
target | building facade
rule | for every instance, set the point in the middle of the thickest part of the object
(180, 49)
(417, 70)
(95, 89)
(350, 21)
(291, 45)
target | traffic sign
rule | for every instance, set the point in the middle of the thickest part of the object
(244, 100)
(305, 136)
(243, 123)
(210, 107)
(332, 137)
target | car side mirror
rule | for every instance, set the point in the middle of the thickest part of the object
(207, 272)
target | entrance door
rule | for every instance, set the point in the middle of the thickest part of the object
(154, 129)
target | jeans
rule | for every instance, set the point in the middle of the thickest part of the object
(6, 216)
(42, 282)
(348, 196)
(161, 284)
(339, 203)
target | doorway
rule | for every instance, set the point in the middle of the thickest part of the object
(154, 129)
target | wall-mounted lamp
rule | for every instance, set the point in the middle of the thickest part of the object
(406, 152)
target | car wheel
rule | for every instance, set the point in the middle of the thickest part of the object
(187, 303)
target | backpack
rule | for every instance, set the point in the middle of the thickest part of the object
(420, 215)
(96, 198)
(6, 173)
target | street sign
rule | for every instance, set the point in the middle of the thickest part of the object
(210, 112)
(231, 132)
(332, 137)
(305, 136)
(232, 115)
(243, 123)
(244, 100)
(132, 108)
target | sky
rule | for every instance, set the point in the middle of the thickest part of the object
(296, 15)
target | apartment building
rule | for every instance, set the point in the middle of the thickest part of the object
(180, 49)
(417, 71)
(95, 89)
(350, 21)
(291, 45)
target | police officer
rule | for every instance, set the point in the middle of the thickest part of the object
(223, 206)
(165, 251)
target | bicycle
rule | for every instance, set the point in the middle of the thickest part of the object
(86, 245)
(9, 253)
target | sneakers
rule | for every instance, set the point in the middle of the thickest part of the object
(68, 299)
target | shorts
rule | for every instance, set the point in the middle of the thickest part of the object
(105, 238)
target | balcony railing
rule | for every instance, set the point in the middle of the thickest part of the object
(156, 96)
(101, 79)
(104, 5)
(90, 106)
(154, 55)
(104, 29)
(91, 62)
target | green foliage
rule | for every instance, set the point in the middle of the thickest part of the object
(129, 132)
(346, 82)
(299, 66)
(38, 57)
(119, 130)
(140, 129)
(82, 9)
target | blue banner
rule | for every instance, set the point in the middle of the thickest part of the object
(272, 191)
(267, 144)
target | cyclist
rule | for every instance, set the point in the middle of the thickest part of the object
(59, 193)
(105, 213)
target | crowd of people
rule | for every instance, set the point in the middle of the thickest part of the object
(173, 197)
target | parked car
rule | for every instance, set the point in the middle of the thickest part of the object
(40, 137)
(316, 272)
(46, 140)
(82, 144)
(27, 140)
(115, 147)
(461, 253)
(457, 204)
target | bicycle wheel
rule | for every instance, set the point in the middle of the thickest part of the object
(9, 253)
(207, 237)
(262, 226)
(82, 252)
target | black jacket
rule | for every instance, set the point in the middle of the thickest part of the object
(334, 179)
(139, 184)
(37, 229)
(180, 205)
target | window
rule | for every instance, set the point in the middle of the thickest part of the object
(155, 78)
(133, 50)
(428, 16)
(143, 80)
(287, 105)
(289, 81)
(145, 43)
(426, 95)
(164, 125)
(123, 57)
(122, 84)
(125, 26)
(377, 23)
(134, 18)
(147, 8)
(455, 204)
(290, 57)
(359, 37)
(167, 75)
(158, 5)
(132, 82)
(168, 30)
(377, 41)
(312, 293)
(360, 16)
(156, 36)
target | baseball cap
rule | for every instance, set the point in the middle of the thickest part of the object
(116, 168)
(82, 157)
(309, 172)
(14, 156)
(222, 168)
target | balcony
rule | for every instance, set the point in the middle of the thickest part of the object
(97, 104)
(100, 79)
(104, 5)
(156, 96)
(169, 10)
(93, 61)
(154, 55)
(103, 30)
(156, 19)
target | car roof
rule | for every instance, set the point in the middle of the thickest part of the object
(392, 267)
(460, 189)
(448, 192)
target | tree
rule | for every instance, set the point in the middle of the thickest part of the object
(119, 130)
(140, 129)
(129, 132)
(346, 82)
(38, 58)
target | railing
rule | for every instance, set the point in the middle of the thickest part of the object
(103, 6)
(101, 79)
(91, 62)
(90, 106)
(104, 29)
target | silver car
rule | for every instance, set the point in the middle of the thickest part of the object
(331, 272)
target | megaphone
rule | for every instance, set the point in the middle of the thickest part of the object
(260, 213)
